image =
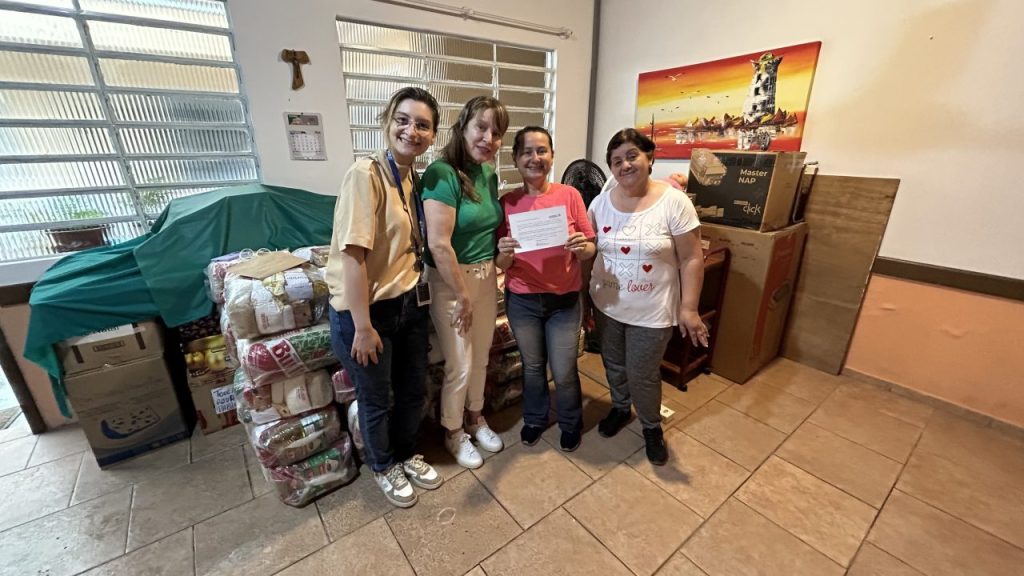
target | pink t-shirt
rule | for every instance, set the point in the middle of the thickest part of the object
(551, 270)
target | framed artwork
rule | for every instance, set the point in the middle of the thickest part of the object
(756, 101)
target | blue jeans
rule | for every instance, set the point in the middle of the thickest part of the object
(391, 393)
(547, 330)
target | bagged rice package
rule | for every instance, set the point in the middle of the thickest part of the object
(353, 429)
(287, 300)
(285, 355)
(284, 398)
(290, 440)
(300, 483)
(344, 390)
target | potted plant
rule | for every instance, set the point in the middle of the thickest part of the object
(73, 238)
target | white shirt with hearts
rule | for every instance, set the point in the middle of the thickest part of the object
(635, 278)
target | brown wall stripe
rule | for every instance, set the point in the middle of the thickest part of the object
(1001, 286)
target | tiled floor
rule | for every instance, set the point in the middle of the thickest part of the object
(795, 473)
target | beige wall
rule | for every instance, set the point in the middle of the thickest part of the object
(924, 91)
(963, 347)
(264, 27)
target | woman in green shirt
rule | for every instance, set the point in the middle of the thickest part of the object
(460, 201)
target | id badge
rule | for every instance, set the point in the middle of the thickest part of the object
(422, 293)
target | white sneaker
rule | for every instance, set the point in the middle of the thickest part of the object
(396, 486)
(463, 450)
(421, 474)
(486, 437)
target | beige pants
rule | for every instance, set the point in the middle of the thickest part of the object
(465, 356)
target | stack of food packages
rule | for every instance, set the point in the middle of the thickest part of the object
(504, 367)
(288, 383)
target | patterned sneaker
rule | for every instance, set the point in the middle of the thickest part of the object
(396, 486)
(421, 474)
(463, 450)
(485, 437)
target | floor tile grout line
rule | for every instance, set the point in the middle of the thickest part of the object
(583, 525)
(954, 516)
(401, 548)
(903, 468)
(840, 488)
(116, 558)
(131, 514)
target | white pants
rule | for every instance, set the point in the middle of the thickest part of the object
(465, 355)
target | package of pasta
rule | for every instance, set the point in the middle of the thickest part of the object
(503, 338)
(316, 255)
(285, 355)
(294, 298)
(300, 483)
(290, 440)
(352, 415)
(344, 389)
(289, 397)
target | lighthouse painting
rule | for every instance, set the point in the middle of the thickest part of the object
(756, 101)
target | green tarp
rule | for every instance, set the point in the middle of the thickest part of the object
(162, 273)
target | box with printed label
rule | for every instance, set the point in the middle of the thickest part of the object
(758, 290)
(127, 409)
(753, 190)
(110, 347)
(210, 379)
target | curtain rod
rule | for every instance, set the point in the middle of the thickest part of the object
(470, 14)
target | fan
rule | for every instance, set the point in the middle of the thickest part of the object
(586, 177)
(589, 179)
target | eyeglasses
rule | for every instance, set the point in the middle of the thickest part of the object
(403, 122)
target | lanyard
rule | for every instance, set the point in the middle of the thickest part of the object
(418, 242)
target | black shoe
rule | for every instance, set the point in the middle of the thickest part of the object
(655, 442)
(530, 435)
(613, 422)
(570, 441)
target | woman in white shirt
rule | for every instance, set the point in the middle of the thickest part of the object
(646, 279)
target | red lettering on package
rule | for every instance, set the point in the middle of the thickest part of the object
(286, 358)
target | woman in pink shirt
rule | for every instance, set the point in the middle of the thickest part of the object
(542, 291)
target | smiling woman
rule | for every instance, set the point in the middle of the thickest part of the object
(378, 322)
(460, 198)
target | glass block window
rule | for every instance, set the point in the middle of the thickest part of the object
(108, 110)
(378, 60)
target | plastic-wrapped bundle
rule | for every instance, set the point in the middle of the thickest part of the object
(284, 398)
(215, 272)
(503, 337)
(344, 389)
(230, 342)
(284, 301)
(504, 384)
(316, 255)
(285, 355)
(353, 429)
(302, 482)
(289, 440)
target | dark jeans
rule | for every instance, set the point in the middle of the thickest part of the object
(547, 330)
(391, 393)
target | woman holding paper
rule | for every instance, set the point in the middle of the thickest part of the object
(379, 323)
(460, 196)
(646, 279)
(542, 288)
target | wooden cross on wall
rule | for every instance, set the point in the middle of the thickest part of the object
(296, 58)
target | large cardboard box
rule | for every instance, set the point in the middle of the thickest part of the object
(110, 347)
(211, 382)
(753, 190)
(128, 409)
(758, 291)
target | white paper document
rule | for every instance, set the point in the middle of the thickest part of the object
(538, 229)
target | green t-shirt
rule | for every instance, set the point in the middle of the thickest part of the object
(475, 223)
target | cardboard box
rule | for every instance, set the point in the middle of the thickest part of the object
(758, 291)
(210, 380)
(128, 409)
(753, 190)
(110, 347)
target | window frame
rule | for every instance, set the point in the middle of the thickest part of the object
(117, 128)
(495, 86)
